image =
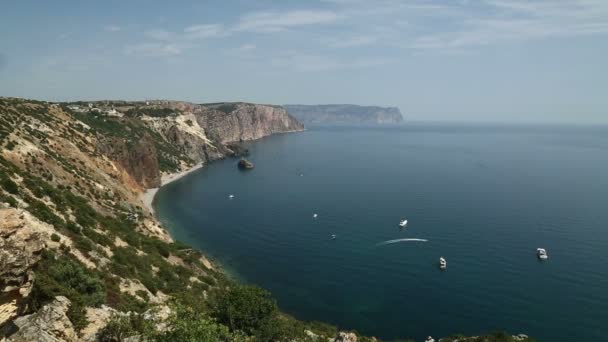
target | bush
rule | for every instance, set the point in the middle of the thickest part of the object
(280, 329)
(188, 324)
(245, 308)
(121, 327)
(55, 237)
(63, 276)
(8, 185)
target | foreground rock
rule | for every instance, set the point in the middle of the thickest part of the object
(245, 164)
(21, 241)
(49, 324)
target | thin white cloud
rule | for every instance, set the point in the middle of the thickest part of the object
(508, 21)
(310, 63)
(280, 21)
(203, 31)
(112, 28)
(355, 41)
(153, 50)
(159, 34)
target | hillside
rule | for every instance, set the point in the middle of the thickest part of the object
(345, 114)
(81, 259)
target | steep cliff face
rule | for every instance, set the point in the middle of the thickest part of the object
(231, 122)
(139, 158)
(345, 113)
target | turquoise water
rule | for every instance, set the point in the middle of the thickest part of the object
(485, 197)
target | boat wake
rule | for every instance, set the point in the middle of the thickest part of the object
(388, 242)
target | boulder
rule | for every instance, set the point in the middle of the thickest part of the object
(245, 164)
(49, 324)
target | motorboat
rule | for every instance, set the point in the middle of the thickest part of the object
(231, 196)
(314, 215)
(333, 236)
(541, 253)
(442, 263)
(403, 223)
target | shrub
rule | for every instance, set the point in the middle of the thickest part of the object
(55, 237)
(188, 324)
(121, 327)
(63, 276)
(8, 185)
(245, 308)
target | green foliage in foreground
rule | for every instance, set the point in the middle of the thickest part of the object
(65, 277)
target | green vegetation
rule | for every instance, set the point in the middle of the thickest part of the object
(63, 276)
(226, 107)
(150, 111)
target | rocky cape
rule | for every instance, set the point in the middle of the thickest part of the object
(345, 114)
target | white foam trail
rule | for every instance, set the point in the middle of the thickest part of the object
(399, 240)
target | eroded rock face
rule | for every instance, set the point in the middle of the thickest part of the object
(138, 158)
(22, 239)
(49, 324)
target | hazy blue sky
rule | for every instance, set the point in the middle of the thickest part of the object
(490, 60)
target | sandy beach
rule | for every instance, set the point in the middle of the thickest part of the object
(148, 195)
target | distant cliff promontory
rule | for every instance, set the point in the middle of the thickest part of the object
(345, 113)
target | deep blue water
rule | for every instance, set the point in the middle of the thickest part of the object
(484, 196)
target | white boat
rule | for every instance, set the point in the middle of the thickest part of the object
(314, 215)
(333, 236)
(442, 263)
(429, 339)
(403, 223)
(541, 253)
(231, 196)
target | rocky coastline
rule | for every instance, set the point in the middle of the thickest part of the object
(82, 256)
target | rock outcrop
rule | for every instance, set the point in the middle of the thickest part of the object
(345, 114)
(22, 239)
(49, 324)
(245, 164)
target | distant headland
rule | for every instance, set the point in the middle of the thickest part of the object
(345, 113)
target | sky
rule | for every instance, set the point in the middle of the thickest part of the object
(450, 60)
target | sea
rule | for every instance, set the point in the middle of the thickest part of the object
(482, 196)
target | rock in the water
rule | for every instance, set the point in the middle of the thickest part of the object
(49, 324)
(245, 164)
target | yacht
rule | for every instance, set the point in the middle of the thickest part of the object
(541, 253)
(442, 263)
(403, 223)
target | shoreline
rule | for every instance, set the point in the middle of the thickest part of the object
(147, 196)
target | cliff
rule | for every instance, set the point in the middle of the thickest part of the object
(345, 113)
